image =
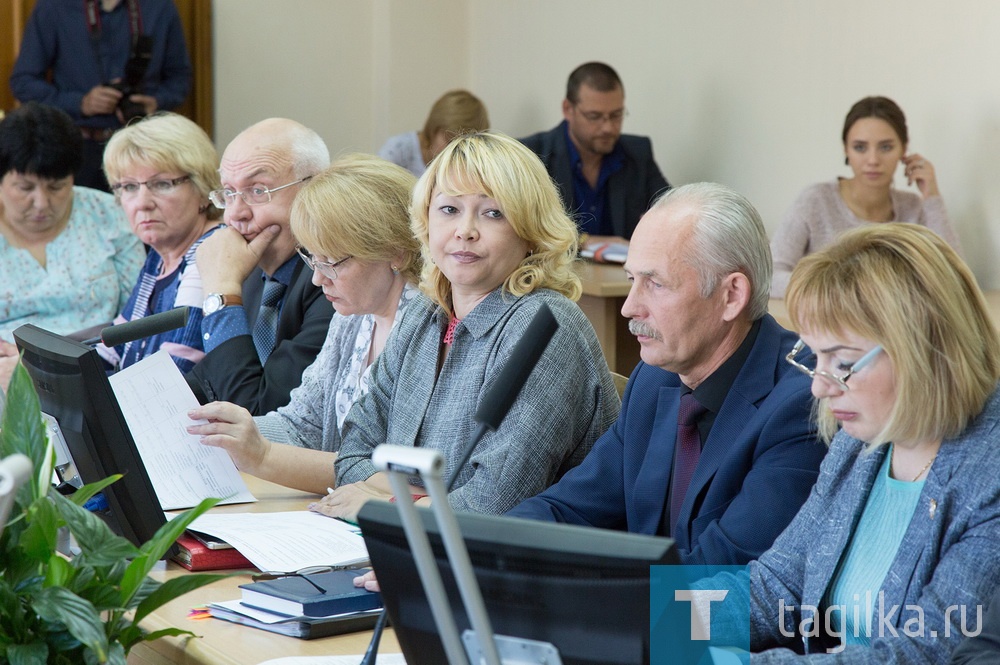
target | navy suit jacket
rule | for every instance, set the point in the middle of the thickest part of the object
(630, 191)
(232, 371)
(756, 468)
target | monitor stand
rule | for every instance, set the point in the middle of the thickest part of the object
(479, 644)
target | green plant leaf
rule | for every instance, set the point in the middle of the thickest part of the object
(81, 619)
(157, 546)
(99, 544)
(58, 572)
(115, 656)
(36, 653)
(85, 493)
(22, 431)
(166, 632)
(39, 537)
(174, 588)
(148, 586)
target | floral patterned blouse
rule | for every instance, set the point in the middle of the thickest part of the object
(91, 268)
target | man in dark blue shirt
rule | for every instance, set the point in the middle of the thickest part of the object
(607, 179)
(73, 51)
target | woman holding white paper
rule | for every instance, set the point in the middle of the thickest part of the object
(353, 225)
(497, 246)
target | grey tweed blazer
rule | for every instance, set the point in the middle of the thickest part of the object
(949, 556)
(567, 403)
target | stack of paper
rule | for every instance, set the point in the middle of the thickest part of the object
(287, 541)
(305, 628)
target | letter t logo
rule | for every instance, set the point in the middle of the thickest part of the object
(701, 606)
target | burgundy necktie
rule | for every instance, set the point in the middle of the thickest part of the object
(686, 453)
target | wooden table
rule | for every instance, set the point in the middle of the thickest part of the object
(222, 642)
(604, 291)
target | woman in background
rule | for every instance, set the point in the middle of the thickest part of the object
(68, 259)
(453, 113)
(875, 143)
(161, 170)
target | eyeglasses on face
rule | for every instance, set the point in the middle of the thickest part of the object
(326, 268)
(254, 196)
(838, 379)
(598, 118)
(158, 187)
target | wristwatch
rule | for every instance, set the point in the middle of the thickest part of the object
(216, 301)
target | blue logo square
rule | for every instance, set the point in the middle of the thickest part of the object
(699, 615)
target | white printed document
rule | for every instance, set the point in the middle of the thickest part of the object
(155, 400)
(287, 541)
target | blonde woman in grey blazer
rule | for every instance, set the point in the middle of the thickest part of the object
(497, 245)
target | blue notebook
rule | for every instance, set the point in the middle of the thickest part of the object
(294, 596)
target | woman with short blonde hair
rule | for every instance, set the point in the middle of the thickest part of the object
(161, 170)
(898, 541)
(352, 224)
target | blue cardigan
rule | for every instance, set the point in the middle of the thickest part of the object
(949, 556)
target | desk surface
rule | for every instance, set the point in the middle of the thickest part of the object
(222, 642)
(603, 280)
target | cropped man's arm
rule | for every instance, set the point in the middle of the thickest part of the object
(29, 80)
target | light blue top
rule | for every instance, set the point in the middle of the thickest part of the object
(854, 591)
(90, 270)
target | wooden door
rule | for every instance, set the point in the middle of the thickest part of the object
(196, 18)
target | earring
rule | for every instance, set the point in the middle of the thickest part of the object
(846, 163)
(395, 270)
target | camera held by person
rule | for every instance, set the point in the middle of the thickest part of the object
(131, 83)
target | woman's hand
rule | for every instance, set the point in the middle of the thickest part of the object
(920, 171)
(345, 501)
(231, 427)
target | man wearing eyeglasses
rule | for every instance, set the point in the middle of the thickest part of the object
(265, 321)
(607, 179)
(714, 445)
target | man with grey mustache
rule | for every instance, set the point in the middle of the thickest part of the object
(725, 478)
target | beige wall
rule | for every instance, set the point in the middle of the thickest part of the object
(749, 93)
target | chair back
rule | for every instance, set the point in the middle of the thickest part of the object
(620, 382)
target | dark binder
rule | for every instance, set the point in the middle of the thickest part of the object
(294, 596)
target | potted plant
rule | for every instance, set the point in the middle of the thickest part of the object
(84, 609)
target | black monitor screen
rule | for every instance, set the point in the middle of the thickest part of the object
(584, 590)
(73, 388)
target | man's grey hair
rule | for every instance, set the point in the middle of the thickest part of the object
(728, 237)
(310, 155)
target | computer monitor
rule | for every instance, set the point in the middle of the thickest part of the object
(584, 590)
(73, 388)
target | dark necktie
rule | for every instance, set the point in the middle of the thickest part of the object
(266, 327)
(686, 453)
